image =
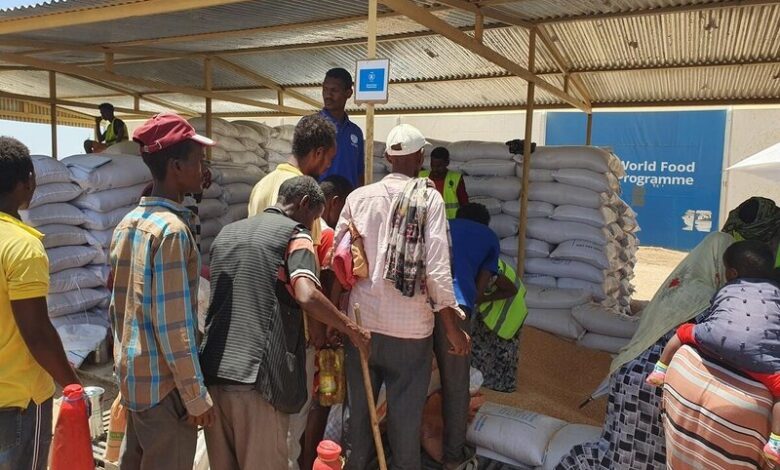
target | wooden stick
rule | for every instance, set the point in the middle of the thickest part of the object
(380, 450)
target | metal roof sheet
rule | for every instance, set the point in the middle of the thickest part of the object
(651, 54)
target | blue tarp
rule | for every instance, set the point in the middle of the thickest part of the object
(673, 163)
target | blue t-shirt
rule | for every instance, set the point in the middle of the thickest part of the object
(349, 161)
(475, 248)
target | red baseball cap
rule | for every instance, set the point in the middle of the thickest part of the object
(164, 130)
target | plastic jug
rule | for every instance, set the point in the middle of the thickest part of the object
(328, 457)
(332, 384)
(71, 445)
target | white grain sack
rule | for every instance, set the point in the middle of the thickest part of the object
(533, 248)
(599, 182)
(535, 209)
(56, 235)
(54, 192)
(558, 157)
(555, 232)
(598, 319)
(120, 172)
(468, 150)
(73, 279)
(557, 321)
(531, 279)
(505, 188)
(489, 167)
(49, 170)
(106, 201)
(596, 217)
(105, 220)
(59, 213)
(492, 204)
(536, 297)
(582, 250)
(610, 344)
(67, 257)
(562, 194)
(504, 225)
(565, 268)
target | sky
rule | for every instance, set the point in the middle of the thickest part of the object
(37, 137)
(4, 4)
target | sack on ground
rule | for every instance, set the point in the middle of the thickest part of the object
(504, 225)
(106, 201)
(563, 194)
(75, 301)
(540, 280)
(530, 432)
(73, 279)
(56, 235)
(120, 172)
(555, 232)
(610, 344)
(565, 439)
(54, 192)
(564, 268)
(584, 251)
(504, 188)
(535, 209)
(468, 150)
(556, 321)
(489, 167)
(49, 170)
(596, 217)
(105, 220)
(597, 319)
(599, 182)
(58, 213)
(537, 297)
(66, 257)
(492, 204)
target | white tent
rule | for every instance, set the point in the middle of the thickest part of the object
(765, 163)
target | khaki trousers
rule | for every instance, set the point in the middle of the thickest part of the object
(248, 432)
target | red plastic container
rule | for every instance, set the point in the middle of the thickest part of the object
(71, 445)
(328, 456)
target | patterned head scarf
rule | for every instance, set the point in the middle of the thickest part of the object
(758, 218)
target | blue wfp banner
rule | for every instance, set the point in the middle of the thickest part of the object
(673, 163)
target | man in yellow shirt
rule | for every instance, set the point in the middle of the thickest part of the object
(31, 353)
(314, 148)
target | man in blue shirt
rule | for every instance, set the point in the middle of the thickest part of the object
(475, 250)
(350, 148)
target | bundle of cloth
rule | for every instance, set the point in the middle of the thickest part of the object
(77, 294)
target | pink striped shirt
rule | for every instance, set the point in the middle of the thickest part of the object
(383, 309)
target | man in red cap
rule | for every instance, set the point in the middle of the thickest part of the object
(156, 264)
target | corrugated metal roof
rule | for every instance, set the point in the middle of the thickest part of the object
(430, 72)
(721, 36)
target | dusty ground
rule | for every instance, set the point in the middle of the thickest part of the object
(555, 375)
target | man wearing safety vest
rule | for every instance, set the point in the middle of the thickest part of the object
(449, 183)
(114, 133)
(475, 262)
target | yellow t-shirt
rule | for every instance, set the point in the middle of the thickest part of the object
(266, 191)
(24, 274)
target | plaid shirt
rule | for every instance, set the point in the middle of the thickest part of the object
(156, 269)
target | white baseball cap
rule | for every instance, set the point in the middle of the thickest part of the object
(404, 139)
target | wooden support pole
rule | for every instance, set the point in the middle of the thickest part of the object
(589, 131)
(208, 85)
(109, 62)
(280, 97)
(136, 103)
(53, 104)
(529, 125)
(479, 26)
(369, 138)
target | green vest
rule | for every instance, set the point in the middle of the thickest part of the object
(111, 135)
(505, 317)
(450, 195)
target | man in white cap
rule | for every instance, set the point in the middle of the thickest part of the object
(404, 228)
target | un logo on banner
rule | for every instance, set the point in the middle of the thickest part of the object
(354, 139)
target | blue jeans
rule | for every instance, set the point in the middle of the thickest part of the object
(25, 435)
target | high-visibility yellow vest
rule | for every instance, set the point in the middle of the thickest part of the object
(450, 194)
(111, 135)
(505, 317)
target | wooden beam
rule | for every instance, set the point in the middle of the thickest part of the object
(135, 94)
(112, 77)
(562, 62)
(81, 16)
(461, 5)
(265, 81)
(727, 4)
(280, 97)
(529, 126)
(467, 42)
(368, 154)
(53, 116)
(62, 102)
(109, 62)
(208, 82)
(589, 130)
(44, 46)
(479, 27)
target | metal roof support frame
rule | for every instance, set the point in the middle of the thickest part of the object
(53, 118)
(112, 77)
(264, 81)
(73, 104)
(589, 130)
(368, 170)
(440, 26)
(529, 125)
(208, 85)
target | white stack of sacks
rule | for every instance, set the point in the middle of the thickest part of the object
(580, 238)
(76, 286)
(279, 145)
(238, 161)
(381, 167)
